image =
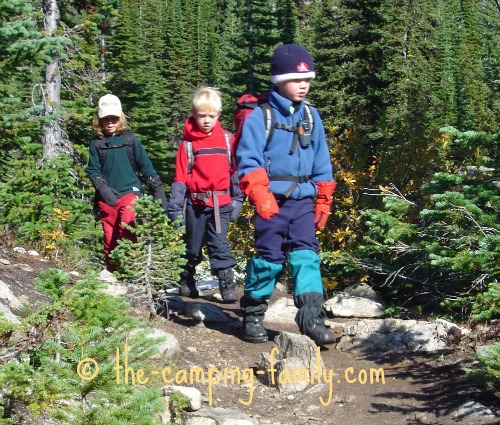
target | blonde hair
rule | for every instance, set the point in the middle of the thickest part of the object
(207, 99)
(98, 129)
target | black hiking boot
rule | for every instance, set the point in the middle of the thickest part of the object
(253, 316)
(188, 289)
(227, 286)
(254, 331)
(311, 318)
(318, 332)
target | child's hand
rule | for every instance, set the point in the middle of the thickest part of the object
(237, 205)
(108, 195)
(255, 185)
(323, 203)
(265, 203)
(321, 215)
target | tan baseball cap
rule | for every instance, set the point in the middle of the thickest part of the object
(109, 105)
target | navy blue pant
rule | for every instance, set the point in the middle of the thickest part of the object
(200, 231)
(289, 233)
(291, 230)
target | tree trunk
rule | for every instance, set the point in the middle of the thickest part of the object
(53, 140)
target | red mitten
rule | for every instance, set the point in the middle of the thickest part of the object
(255, 185)
(323, 203)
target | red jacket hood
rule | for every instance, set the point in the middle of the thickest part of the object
(193, 133)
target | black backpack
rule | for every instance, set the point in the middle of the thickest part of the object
(103, 146)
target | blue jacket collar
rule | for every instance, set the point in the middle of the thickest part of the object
(282, 104)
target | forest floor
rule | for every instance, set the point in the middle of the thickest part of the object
(416, 388)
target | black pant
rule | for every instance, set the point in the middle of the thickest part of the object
(200, 231)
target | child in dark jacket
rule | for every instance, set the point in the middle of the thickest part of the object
(282, 177)
(203, 175)
(116, 179)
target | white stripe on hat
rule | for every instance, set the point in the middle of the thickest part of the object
(275, 79)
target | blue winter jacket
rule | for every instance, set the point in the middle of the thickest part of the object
(255, 152)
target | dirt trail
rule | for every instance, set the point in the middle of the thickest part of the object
(416, 389)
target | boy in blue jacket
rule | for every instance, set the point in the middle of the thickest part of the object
(282, 177)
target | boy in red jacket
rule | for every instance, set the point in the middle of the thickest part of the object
(203, 175)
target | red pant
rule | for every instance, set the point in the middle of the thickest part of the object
(112, 219)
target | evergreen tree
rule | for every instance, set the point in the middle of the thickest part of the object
(350, 65)
(154, 260)
(288, 22)
(474, 113)
(444, 252)
(490, 23)
(460, 80)
(405, 117)
(226, 60)
(24, 50)
(181, 71)
(79, 322)
(445, 95)
(254, 44)
(137, 79)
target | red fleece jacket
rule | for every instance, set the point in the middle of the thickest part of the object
(210, 172)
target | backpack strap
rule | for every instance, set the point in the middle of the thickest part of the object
(310, 118)
(130, 147)
(189, 151)
(190, 154)
(103, 146)
(270, 124)
(294, 179)
(227, 136)
(267, 112)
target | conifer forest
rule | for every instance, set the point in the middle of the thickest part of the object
(409, 94)
(408, 91)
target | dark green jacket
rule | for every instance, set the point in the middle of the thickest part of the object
(117, 169)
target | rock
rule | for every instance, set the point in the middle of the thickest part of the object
(291, 363)
(165, 416)
(201, 421)
(205, 313)
(19, 250)
(364, 290)
(7, 314)
(115, 290)
(24, 267)
(205, 285)
(472, 410)
(282, 310)
(427, 337)
(392, 336)
(107, 277)
(8, 297)
(192, 394)
(282, 288)
(452, 328)
(219, 416)
(336, 327)
(5, 262)
(346, 305)
(167, 344)
(166, 348)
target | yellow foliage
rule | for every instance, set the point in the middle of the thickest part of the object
(62, 215)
